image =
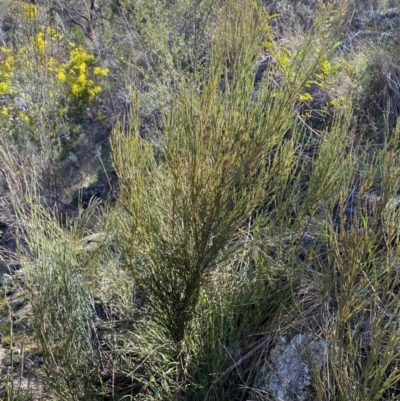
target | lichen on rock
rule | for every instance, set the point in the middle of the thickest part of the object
(286, 372)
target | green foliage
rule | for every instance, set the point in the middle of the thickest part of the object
(223, 156)
(232, 228)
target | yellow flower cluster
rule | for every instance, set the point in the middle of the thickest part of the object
(74, 79)
(287, 58)
(29, 10)
(46, 35)
(76, 74)
(52, 33)
(6, 69)
(39, 42)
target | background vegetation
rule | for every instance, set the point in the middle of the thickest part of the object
(189, 187)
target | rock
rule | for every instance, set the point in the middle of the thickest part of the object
(380, 21)
(285, 375)
(21, 103)
(19, 273)
(5, 279)
(16, 103)
(5, 30)
(92, 242)
(391, 217)
(83, 196)
(105, 188)
(393, 205)
(372, 26)
(367, 204)
(361, 37)
(261, 67)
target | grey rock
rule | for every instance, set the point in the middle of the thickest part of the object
(368, 205)
(105, 188)
(384, 20)
(391, 215)
(5, 98)
(285, 375)
(261, 67)
(19, 273)
(14, 102)
(355, 202)
(5, 25)
(5, 29)
(372, 26)
(393, 204)
(92, 242)
(357, 23)
(5, 279)
(21, 103)
(360, 37)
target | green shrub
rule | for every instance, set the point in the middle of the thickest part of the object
(231, 227)
(223, 155)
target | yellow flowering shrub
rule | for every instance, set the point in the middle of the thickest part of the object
(77, 72)
(39, 42)
(6, 69)
(44, 41)
(30, 11)
(69, 75)
(53, 34)
(76, 75)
